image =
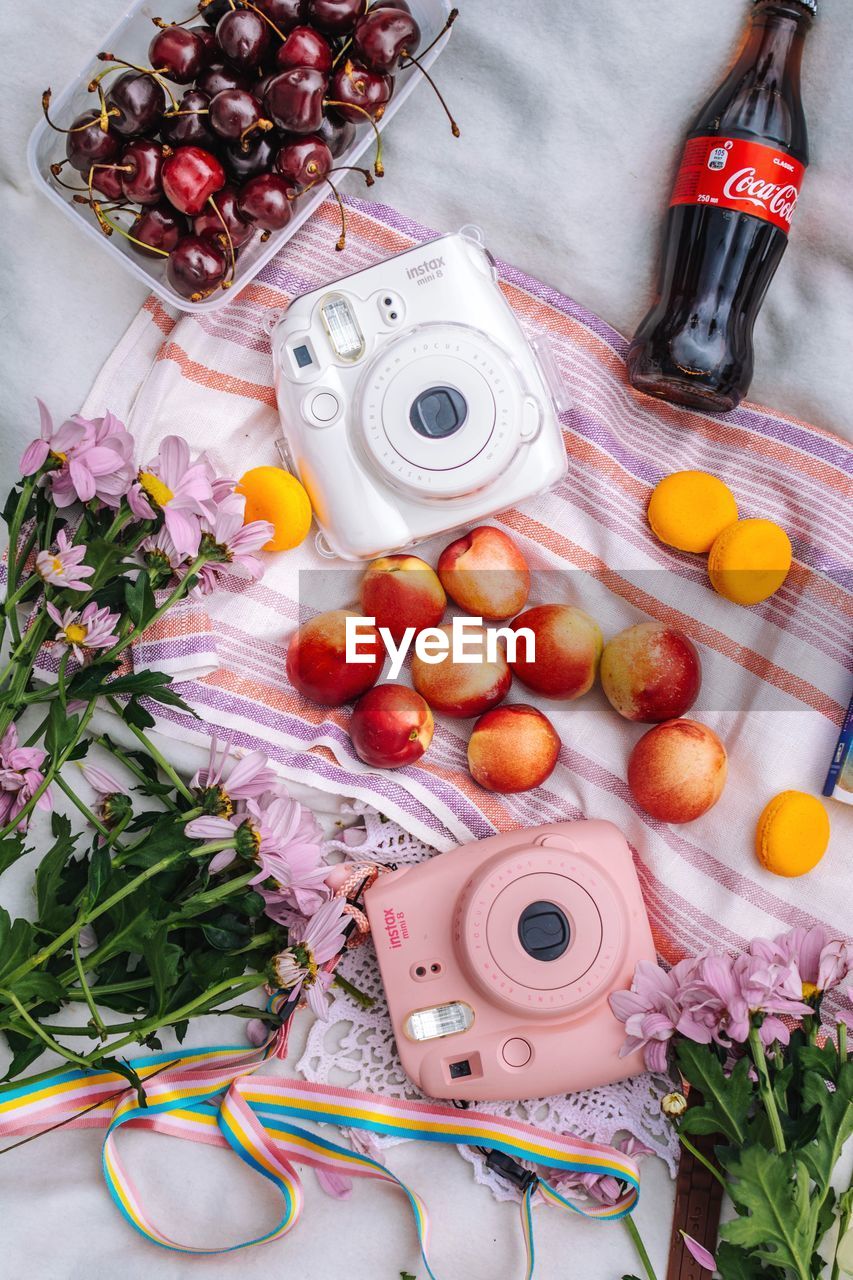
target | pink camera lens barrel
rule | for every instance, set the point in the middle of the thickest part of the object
(498, 958)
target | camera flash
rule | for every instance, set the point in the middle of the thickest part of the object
(440, 1020)
(342, 327)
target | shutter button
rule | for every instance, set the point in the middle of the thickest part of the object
(324, 407)
(516, 1053)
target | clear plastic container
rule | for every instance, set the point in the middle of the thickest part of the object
(130, 39)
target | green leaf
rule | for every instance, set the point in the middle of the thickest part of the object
(134, 713)
(820, 1058)
(735, 1264)
(91, 680)
(164, 960)
(100, 870)
(835, 1109)
(24, 1053)
(16, 943)
(224, 936)
(140, 601)
(778, 1219)
(38, 985)
(11, 504)
(123, 1068)
(11, 849)
(53, 915)
(727, 1099)
(61, 729)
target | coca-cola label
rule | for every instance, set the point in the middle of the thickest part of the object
(732, 173)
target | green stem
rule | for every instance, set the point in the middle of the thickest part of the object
(14, 534)
(157, 756)
(842, 1042)
(87, 994)
(60, 679)
(112, 988)
(360, 997)
(766, 1090)
(697, 1155)
(51, 774)
(40, 1032)
(23, 590)
(134, 768)
(201, 902)
(83, 807)
(633, 1232)
(180, 590)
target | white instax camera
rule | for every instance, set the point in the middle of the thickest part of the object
(411, 401)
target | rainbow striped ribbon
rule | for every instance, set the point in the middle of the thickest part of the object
(213, 1096)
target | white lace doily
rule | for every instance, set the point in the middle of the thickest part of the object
(356, 1045)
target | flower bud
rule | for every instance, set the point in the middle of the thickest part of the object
(673, 1105)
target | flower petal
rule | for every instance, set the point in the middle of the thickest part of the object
(699, 1252)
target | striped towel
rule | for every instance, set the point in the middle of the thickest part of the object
(776, 677)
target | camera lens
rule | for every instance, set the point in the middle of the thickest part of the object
(438, 412)
(543, 931)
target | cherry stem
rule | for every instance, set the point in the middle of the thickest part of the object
(377, 164)
(263, 125)
(342, 238)
(170, 115)
(248, 5)
(454, 127)
(114, 226)
(103, 122)
(451, 18)
(132, 66)
(226, 284)
(164, 26)
(341, 51)
(354, 168)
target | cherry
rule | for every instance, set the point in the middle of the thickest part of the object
(208, 40)
(305, 47)
(177, 53)
(195, 267)
(88, 144)
(106, 180)
(158, 227)
(257, 157)
(268, 201)
(235, 113)
(219, 76)
(139, 102)
(294, 99)
(304, 161)
(390, 4)
(213, 10)
(337, 133)
(189, 126)
(208, 224)
(383, 36)
(334, 17)
(284, 13)
(243, 37)
(356, 92)
(190, 177)
(142, 163)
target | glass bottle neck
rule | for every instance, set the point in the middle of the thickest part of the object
(774, 41)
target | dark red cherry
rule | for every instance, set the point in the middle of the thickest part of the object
(233, 112)
(107, 181)
(190, 177)
(284, 13)
(144, 183)
(334, 17)
(355, 90)
(215, 10)
(87, 144)
(337, 133)
(160, 226)
(304, 161)
(208, 40)
(243, 36)
(294, 99)
(390, 4)
(178, 53)
(257, 158)
(209, 226)
(140, 102)
(267, 201)
(305, 47)
(190, 127)
(383, 36)
(219, 76)
(195, 267)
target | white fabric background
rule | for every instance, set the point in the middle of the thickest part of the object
(571, 115)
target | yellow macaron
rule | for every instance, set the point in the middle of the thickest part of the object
(749, 561)
(792, 834)
(689, 508)
(273, 494)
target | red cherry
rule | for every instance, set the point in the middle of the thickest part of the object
(143, 184)
(190, 177)
(219, 76)
(160, 227)
(107, 181)
(208, 40)
(243, 36)
(334, 17)
(304, 161)
(189, 128)
(209, 226)
(233, 112)
(337, 134)
(256, 158)
(294, 99)
(195, 267)
(178, 53)
(305, 47)
(87, 144)
(382, 36)
(355, 91)
(284, 13)
(268, 201)
(139, 100)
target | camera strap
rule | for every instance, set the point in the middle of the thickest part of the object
(214, 1096)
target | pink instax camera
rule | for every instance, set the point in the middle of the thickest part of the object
(498, 958)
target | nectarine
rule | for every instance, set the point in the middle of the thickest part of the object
(391, 726)
(485, 573)
(317, 664)
(651, 672)
(567, 652)
(462, 689)
(402, 591)
(677, 771)
(512, 748)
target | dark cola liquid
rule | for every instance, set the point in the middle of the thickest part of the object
(695, 345)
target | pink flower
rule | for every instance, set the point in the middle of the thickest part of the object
(94, 458)
(823, 962)
(652, 1010)
(65, 567)
(159, 552)
(602, 1187)
(248, 778)
(180, 489)
(728, 994)
(699, 1252)
(36, 454)
(94, 628)
(231, 542)
(298, 969)
(20, 778)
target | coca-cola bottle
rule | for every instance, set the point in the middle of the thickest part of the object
(728, 221)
